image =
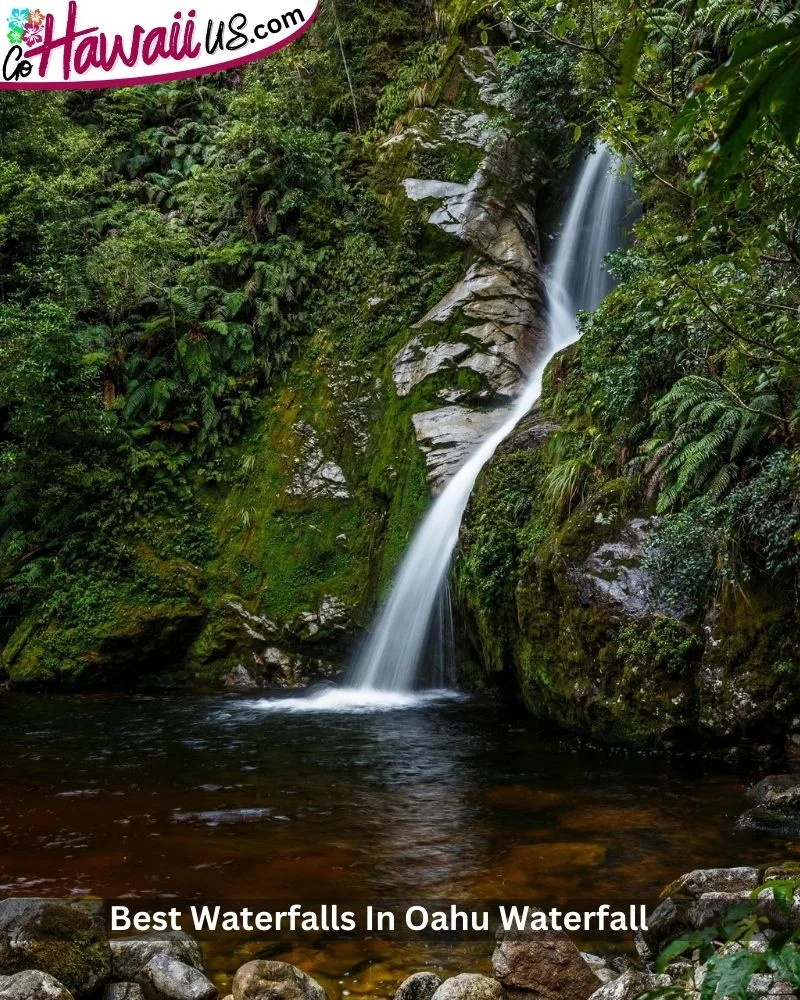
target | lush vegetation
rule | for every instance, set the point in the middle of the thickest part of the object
(163, 252)
(687, 379)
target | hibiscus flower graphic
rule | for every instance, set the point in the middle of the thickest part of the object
(32, 34)
(36, 18)
(15, 36)
(19, 18)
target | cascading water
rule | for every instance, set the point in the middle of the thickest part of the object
(390, 660)
(416, 613)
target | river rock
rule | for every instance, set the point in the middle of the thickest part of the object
(469, 986)
(420, 986)
(66, 940)
(545, 965)
(167, 978)
(123, 991)
(664, 922)
(783, 914)
(32, 985)
(130, 955)
(263, 980)
(695, 883)
(712, 906)
(777, 809)
(630, 986)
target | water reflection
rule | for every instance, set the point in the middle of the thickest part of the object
(214, 798)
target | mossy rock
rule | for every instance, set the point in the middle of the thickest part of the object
(65, 940)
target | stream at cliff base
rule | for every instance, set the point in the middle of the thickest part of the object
(215, 798)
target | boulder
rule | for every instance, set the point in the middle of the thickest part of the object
(130, 955)
(167, 978)
(123, 991)
(420, 986)
(712, 906)
(469, 986)
(32, 985)
(777, 809)
(546, 965)
(630, 986)
(600, 967)
(66, 940)
(701, 880)
(664, 922)
(263, 980)
(782, 913)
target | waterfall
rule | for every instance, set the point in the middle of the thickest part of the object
(391, 658)
(416, 617)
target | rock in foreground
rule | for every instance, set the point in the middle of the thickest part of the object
(542, 966)
(261, 980)
(469, 986)
(65, 940)
(32, 986)
(130, 955)
(166, 978)
(420, 986)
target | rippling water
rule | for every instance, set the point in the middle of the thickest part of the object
(236, 798)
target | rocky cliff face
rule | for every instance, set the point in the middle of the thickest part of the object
(575, 625)
(484, 333)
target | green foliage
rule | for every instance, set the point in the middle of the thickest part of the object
(730, 963)
(690, 369)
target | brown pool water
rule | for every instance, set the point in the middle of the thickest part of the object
(214, 798)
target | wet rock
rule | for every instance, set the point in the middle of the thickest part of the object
(702, 880)
(630, 986)
(130, 955)
(615, 574)
(469, 986)
(546, 965)
(783, 989)
(262, 980)
(416, 362)
(32, 985)
(240, 679)
(420, 986)
(759, 986)
(496, 304)
(66, 940)
(448, 436)
(123, 991)
(777, 811)
(331, 615)
(167, 978)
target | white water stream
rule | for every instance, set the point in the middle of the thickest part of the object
(386, 672)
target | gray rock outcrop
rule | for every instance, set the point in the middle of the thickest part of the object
(496, 305)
